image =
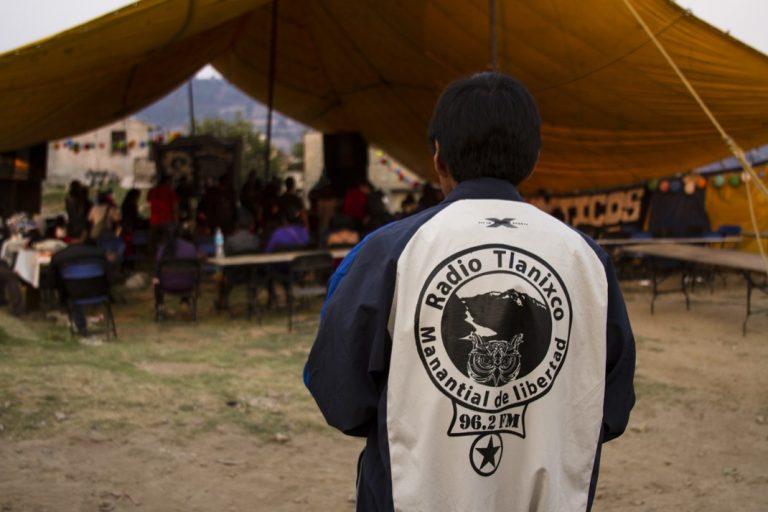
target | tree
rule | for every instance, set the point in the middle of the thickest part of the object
(297, 156)
(254, 144)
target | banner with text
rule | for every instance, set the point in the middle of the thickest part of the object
(598, 209)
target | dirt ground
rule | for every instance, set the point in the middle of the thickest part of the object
(697, 441)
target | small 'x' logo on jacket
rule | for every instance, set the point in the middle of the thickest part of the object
(495, 223)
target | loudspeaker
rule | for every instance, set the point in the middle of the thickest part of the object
(345, 156)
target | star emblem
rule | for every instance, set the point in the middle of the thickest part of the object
(485, 456)
(489, 454)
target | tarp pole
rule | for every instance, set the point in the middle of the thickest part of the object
(271, 90)
(492, 35)
(191, 99)
(732, 145)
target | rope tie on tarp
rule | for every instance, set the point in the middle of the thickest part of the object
(732, 145)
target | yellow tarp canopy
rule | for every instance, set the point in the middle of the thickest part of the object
(614, 111)
(729, 205)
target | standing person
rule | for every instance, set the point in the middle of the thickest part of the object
(481, 346)
(130, 217)
(355, 204)
(163, 211)
(130, 220)
(220, 206)
(184, 193)
(291, 205)
(76, 203)
(104, 216)
(326, 206)
(250, 194)
(270, 208)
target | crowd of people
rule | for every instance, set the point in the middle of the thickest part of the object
(177, 221)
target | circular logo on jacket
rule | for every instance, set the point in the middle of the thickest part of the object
(492, 330)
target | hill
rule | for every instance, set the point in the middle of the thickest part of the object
(214, 97)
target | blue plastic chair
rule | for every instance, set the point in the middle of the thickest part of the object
(139, 244)
(94, 271)
(114, 245)
(180, 277)
(206, 246)
(729, 230)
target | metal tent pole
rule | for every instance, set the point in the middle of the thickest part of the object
(191, 99)
(271, 89)
(492, 35)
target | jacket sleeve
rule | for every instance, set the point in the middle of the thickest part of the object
(349, 361)
(620, 361)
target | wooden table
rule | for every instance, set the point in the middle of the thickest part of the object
(29, 263)
(272, 257)
(668, 241)
(750, 265)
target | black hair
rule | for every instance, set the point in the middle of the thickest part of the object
(487, 125)
(290, 183)
(132, 196)
(244, 219)
(76, 229)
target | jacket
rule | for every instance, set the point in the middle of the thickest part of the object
(483, 349)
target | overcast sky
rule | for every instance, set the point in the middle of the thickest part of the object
(26, 21)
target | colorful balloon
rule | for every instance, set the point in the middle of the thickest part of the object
(675, 185)
(664, 186)
(734, 180)
(718, 181)
(701, 182)
(653, 185)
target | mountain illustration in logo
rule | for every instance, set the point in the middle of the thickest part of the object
(497, 336)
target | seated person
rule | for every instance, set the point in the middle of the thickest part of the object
(178, 247)
(290, 234)
(341, 232)
(77, 250)
(10, 290)
(240, 241)
(58, 229)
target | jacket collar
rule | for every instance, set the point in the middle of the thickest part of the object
(484, 188)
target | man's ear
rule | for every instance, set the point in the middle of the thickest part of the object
(439, 165)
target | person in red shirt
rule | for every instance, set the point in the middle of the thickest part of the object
(355, 203)
(163, 211)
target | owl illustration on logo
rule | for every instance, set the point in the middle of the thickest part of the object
(492, 360)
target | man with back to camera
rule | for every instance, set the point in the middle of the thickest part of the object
(481, 345)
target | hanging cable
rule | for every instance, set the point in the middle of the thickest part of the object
(734, 148)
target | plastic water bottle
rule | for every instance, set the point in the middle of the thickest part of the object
(219, 241)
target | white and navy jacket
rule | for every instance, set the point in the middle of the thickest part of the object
(483, 348)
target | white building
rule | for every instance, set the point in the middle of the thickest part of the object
(112, 153)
